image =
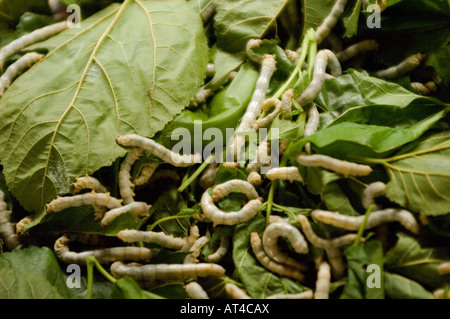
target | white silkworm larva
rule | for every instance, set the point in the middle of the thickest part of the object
(375, 218)
(145, 174)
(7, 230)
(20, 226)
(444, 268)
(254, 178)
(195, 250)
(208, 176)
(322, 243)
(324, 58)
(192, 238)
(289, 173)
(251, 44)
(372, 191)
(271, 116)
(164, 272)
(159, 238)
(88, 182)
(195, 291)
(268, 263)
(262, 157)
(344, 168)
(137, 209)
(336, 261)
(254, 107)
(166, 155)
(231, 164)
(270, 243)
(221, 251)
(125, 185)
(30, 38)
(25, 62)
(105, 255)
(330, 21)
(235, 292)
(201, 96)
(224, 189)
(308, 294)
(323, 282)
(93, 199)
(355, 49)
(407, 65)
(312, 125)
(424, 89)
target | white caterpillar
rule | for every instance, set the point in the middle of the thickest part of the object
(344, 168)
(195, 250)
(280, 106)
(137, 209)
(201, 96)
(125, 185)
(7, 231)
(208, 176)
(24, 63)
(424, 89)
(195, 291)
(312, 125)
(262, 157)
(323, 282)
(254, 107)
(93, 199)
(444, 268)
(221, 251)
(320, 242)
(330, 21)
(254, 178)
(105, 255)
(30, 38)
(372, 191)
(324, 58)
(164, 272)
(308, 294)
(88, 182)
(407, 65)
(289, 173)
(224, 189)
(252, 44)
(355, 49)
(159, 238)
(235, 292)
(192, 238)
(20, 226)
(268, 263)
(166, 155)
(145, 174)
(375, 218)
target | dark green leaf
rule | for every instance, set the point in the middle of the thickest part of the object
(399, 287)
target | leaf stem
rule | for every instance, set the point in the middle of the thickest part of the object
(194, 176)
(91, 261)
(363, 226)
(159, 221)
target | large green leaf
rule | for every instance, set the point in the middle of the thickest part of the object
(314, 12)
(399, 287)
(99, 82)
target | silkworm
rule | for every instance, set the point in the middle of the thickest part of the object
(145, 174)
(192, 238)
(137, 209)
(262, 157)
(372, 191)
(93, 199)
(164, 272)
(221, 251)
(201, 96)
(308, 294)
(424, 89)
(166, 155)
(312, 125)
(322, 243)
(252, 44)
(271, 116)
(88, 182)
(231, 165)
(195, 291)
(268, 263)
(444, 268)
(289, 173)
(20, 226)
(208, 176)
(30, 38)
(224, 189)
(441, 294)
(125, 185)
(405, 66)
(342, 167)
(7, 231)
(324, 58)
(235, 292)
(357, 48)
(24, 63)
(330, 21)
(270, 238)
(254, 107)
(105, 255)
(159, 238)
(218, 217)
(254, 178)
(375, 218)
(208, 11)
(195, 250)
(323, 282)
(336, 261)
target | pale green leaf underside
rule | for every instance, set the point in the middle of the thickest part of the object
(315, 11)
(130, 69)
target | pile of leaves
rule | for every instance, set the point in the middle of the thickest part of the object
(134, 67)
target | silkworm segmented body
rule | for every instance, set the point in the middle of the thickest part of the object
(235, 292)
(156, 272)
(195, 250)
(208, 176)
(88, 182)
(254, 178)
(7, 231)
(30, 38)
(195, 291)
(375, 218)
(268, 263)
(262, 157)
(201, 96)
(424, 89)
(145, 174)
(254, 107)
(312, 125)
(308, 294)
(251, 44)
(20, 226)
(323, 282)
(330, 21)
(192, 238)
(166, 155)
(221, 251)
(353, 50)
(105, 255)
(289, 173)
(159, 238)
(344, 168)
(125, 185)
(224, 189)
(444, 268)
(93, 199)
(407, 65)
(318, 242)
(25, 62)
(372, 191)
(137, 209)
(271, 116)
